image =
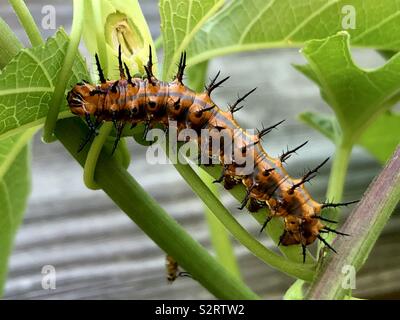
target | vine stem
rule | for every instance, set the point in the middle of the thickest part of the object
(338, 174)
(337, 180)
(93, 155)
(9, 44)
(364, 225)
(219, 235)
(26, 19)
(130, 197)
(121, 154)
(65, 72)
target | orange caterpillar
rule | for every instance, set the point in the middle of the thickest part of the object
(150, 101)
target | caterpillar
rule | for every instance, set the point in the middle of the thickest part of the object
(153, 102)
(172, 269)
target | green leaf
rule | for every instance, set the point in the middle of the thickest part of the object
(11, 147)
(14, 167)
(325, 124)
(27, 84)
(180, 20)
(14, 190)
(295, 292)
(257, 24)
(382, 137)
(357, 96)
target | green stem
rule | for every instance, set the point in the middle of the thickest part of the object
(365, 224)
(152, 219)
(337, 180)
(338, 173)
(122, 152)
(219, 235)
(9, 44)
(65, 72)
(26, 19)
(93, 155)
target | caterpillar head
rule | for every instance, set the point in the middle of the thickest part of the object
(300, 231)
(80, 99)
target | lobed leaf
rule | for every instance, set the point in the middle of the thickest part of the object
(357, 96)
(382, 137)
(180, 20)
(258, 24)
(27, 84)
(14, 191)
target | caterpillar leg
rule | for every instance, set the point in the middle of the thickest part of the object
(92, 131)
(282, 237)
(120, 128)
(185, 274)
(146, 129)
(229, 182)
(265, 223)
(255, 205)
(304, 252)
(246, 199)
(222, 176)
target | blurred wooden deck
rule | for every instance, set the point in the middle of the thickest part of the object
(99, 253)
